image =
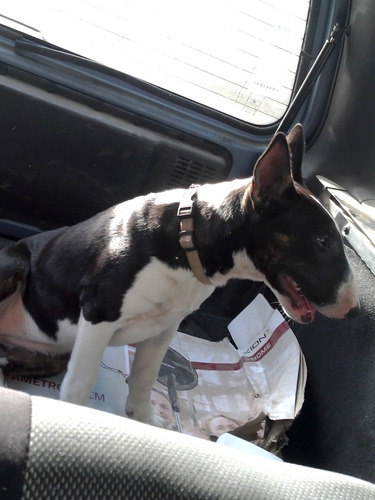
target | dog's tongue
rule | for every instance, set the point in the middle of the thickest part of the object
(298, 299)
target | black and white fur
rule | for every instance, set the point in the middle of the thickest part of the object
(121, 276)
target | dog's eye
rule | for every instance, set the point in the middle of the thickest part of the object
(323, 241)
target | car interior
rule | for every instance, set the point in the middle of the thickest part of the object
(78, 136)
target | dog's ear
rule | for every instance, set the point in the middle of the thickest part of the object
(272, 177)
(296, 143)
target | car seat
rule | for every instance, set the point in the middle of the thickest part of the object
(50, 449)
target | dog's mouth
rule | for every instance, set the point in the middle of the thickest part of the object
(300, 305)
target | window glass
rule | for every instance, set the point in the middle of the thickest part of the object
(237, 56)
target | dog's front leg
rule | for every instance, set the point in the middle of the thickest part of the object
(84, 363)
(147, 360)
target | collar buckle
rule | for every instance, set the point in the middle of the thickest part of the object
(186, 235)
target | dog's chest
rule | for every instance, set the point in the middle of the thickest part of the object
(159, 299)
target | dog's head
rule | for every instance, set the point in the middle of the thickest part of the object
(298, 247)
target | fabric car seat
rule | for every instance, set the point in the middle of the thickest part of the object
(50, 449)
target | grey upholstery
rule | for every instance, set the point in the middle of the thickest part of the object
(50, 449)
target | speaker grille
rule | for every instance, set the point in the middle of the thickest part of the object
(188, 171)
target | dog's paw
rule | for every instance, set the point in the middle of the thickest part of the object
(145, 414)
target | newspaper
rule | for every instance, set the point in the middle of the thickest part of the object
(253, 389)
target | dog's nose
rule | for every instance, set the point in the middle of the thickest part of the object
(354, 312)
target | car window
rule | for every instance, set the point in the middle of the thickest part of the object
(239, 57)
